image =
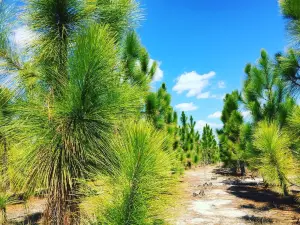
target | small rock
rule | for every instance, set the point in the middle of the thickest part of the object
(201, 193)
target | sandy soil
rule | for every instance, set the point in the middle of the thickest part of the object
(213, 196)
(26, 213)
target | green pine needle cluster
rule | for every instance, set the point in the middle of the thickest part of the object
(275, 160)
(143, 184)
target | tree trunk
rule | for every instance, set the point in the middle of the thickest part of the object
(285, 189)
(242, 167)
(283, 185)
(74, 205)
(3, 217)
(4, 172)
(63, 207)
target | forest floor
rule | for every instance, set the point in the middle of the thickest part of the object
(213, 195)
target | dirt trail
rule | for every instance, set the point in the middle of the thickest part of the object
(213, 196)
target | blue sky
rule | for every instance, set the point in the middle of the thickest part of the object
(193, 38)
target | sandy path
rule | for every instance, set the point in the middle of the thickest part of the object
(212, 197)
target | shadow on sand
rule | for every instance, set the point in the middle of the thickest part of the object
(261, 199)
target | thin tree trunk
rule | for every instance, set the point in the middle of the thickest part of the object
(285, 189)
(63, 206)
(74, 206)
(4, 172)
(242, 167)
(3, 217)
(283, 185)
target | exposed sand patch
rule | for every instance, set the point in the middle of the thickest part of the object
(219, 199)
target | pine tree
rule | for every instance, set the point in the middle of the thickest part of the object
(137, 62)
(274, 160)
(264, 92)
(158, 108)
(70, 98)
(293, 130)
(5, 117)
(291, 11)
(230, 141)
(288, 66)
(143, 174)
(210, 151)
(184, 131)
(289, 62)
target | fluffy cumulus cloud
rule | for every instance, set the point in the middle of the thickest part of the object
(159, 74)
(22, 36)
(201, 123)
(221, 84)
(194, 84)
(216, 115)
(186, 107)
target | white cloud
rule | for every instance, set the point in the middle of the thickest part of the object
(215, 115)
(193, 83)
(246, 114)
(159, 74)
(23, 36)
(221, 84)
(186, 107)
(201, 123)
(204, 95)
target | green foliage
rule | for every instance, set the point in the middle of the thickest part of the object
(56, 24)
(64, 142)
(266, 96)
(4, 201)
(70, 96)
(289, 63)
(143, 174)
(189, 141)
(4, 29)
(293, 130)
(264, 92)
(275, 160)
(85, 73)
(5, 117)
(120, 15)
(136, 59)
(291, 11)
(209, 148)
(229, 136)
(184, 139)
(159, 110)
(289, 68)
(10, 61)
